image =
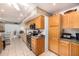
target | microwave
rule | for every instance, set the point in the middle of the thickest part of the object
(66, 35)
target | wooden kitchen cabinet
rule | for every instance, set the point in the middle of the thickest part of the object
(54, 45)
(71, 20)
(74, 49)
(54, 33)
(38, 45)
(68, 48)
(66, 23)
(2, 29)
(75, 16)
(54, 20)
(64, 48)
(53, 39)
(39, 21)
(1, 44)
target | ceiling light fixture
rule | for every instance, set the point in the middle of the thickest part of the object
(0, 18)
(54, 4)
(18, 18)
(2, 10)
(21, 14)
(16, 6)
(14, 3)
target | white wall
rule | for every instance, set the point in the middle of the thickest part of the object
(11, 27)
(46, 32)
(73, 31)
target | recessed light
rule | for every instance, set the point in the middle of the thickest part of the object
(0, 18)
(54, 4)
(18, 18)
(21, 15)
(2, 10)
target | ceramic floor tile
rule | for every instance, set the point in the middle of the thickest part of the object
(48, 53)
(18, 48)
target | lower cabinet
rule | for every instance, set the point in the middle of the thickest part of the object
(1, 45)
(68, 48)
(74, 49)
(54, 45)
(64, 48)
(38, 45)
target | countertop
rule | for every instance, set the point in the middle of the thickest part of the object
(38, 36)
(71, 40)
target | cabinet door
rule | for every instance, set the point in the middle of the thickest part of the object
(54, 45)
(54, 20)
(34, 45)
(64, 48)
(1, 44)
(40, 45)
(66, 22)
(2, 29)
(39, 21)
(71, 20)
(74, 49)
(75, 18)
(54, 32)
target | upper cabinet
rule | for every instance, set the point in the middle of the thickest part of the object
(38, 21)
(2, 29)
(54, 20)
(71, 20)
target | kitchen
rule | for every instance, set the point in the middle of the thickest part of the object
(44, 30)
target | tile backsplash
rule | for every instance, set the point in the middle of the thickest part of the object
(72, 31)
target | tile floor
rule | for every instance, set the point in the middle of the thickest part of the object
(18, 48)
